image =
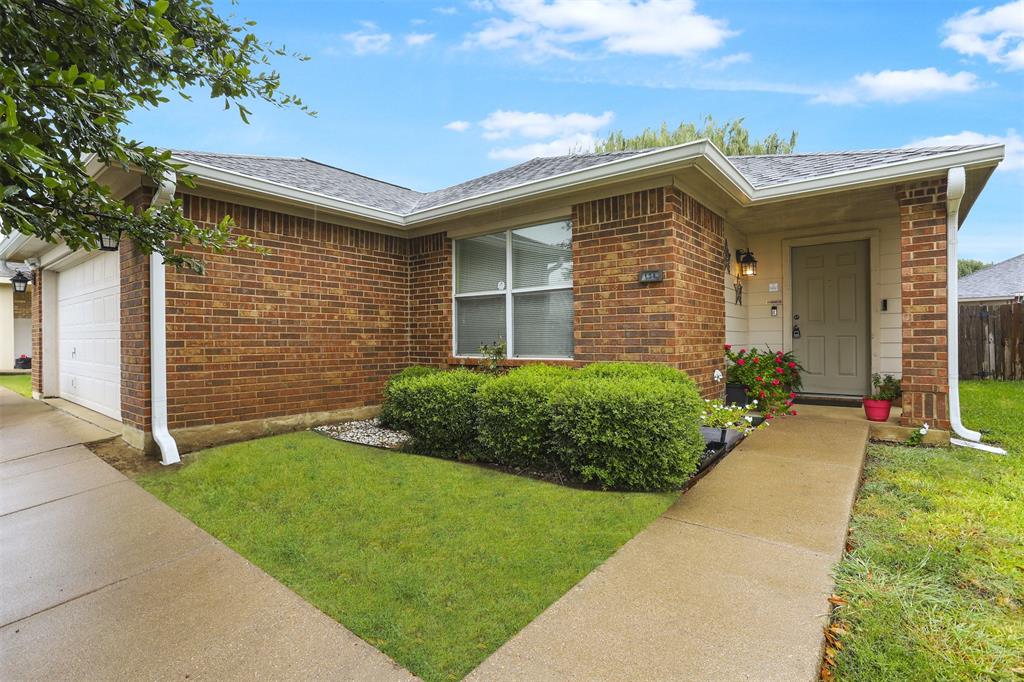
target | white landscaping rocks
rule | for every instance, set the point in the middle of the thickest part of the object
(365, 432)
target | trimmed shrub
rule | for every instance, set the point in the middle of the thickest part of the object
(640, 433)
(635, 370)
(514, 416)
(388, 418)
(438, 410)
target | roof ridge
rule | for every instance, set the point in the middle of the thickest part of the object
(361, 175)
(240, 156)
(856, 152)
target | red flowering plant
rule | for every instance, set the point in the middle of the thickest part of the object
(769, 377)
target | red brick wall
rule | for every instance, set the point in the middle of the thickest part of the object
(923, 275)
(23, 303)
(37, 333)
(316, 324)
(680, 321)
(430, 309)
(135, 325)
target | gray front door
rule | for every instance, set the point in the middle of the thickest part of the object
(830, 309)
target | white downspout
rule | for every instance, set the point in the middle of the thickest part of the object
(158, 337)
(955, 186)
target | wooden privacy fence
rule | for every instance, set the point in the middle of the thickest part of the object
(992, 341)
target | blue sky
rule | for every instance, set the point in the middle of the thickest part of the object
(427, 94)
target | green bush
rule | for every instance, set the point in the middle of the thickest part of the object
(438, 410)
(387, 416)
(514, 416)
(635, 370)
(640, 433)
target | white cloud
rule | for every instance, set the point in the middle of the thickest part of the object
(542, 28)
(458, 126)
(446, 10)
(415, 39)
(997, 35)
(369, 39)
(1013, 140)
(900, 86)
(580, 142)
(728, 60)
(529, 124)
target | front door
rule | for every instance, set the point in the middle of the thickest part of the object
(831, 317)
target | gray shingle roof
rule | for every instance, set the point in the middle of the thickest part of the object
(1002, 280)
(309, 175)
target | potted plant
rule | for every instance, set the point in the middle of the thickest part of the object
(23, 362)
(723, 425)
(884, 390)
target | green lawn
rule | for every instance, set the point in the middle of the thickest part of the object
(935, 581)
(19, 383)
(436, 563)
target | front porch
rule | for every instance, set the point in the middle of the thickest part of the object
(855, 284)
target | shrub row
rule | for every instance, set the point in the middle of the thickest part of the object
(619, 425)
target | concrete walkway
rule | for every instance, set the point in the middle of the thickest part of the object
(731, 583)
(101, 581)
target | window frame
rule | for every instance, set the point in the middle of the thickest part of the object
(509, 292)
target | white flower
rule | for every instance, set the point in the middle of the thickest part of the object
(923, 430)
(750, 420)
(717, 375)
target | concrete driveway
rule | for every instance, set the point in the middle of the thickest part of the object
(102, 581)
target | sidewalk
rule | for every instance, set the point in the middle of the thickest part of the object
(731, 583)
(102, 581)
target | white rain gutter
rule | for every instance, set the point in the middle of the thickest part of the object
(158, 336)
(956, 185)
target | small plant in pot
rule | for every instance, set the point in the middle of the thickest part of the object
(718, 419)
(884, 391)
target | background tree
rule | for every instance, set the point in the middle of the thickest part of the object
(730, 137)
(70, 73)
(969, 266)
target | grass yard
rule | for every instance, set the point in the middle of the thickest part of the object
(934, 584)
(436, 563)
(19, 383)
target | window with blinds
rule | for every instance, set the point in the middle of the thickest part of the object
(516, 287)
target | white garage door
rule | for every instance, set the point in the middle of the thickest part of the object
(89, 327)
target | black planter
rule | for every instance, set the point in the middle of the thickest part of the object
(22, 363)
(735, 394)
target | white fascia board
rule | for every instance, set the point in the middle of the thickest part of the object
(227, 178)
(12, 243)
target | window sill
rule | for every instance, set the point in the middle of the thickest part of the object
(472, 361)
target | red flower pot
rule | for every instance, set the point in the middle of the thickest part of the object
(877, 410)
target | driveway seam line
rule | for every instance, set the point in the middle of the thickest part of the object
(58, 499)
(804, 550)
(49, 468)
(160, 564)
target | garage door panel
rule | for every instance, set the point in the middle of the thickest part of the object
(89, 327)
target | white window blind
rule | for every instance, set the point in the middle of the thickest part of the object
(516, 287)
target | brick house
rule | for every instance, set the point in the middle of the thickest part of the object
(621, 256)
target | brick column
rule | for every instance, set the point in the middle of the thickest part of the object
(922, 208)
(135, 381)
(37, 333)
(679, 321)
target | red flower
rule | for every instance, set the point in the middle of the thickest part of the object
(742, 351)
(778, 353)
(760, 378)
(792, 395)
(768, 416)
(741, 361)
(780, 370)
(792, 365)
(761, 394)
(793, 412)
(775, 382)
(728, 346)
(778, 361)
(757, 360)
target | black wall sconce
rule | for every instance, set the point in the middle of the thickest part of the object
(109, 242)
(747, 262)
(20, 282)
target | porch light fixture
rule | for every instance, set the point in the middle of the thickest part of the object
(109, 242)
(20, 282)
(748, 264)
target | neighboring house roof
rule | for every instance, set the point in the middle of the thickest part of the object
(1002, 280)
(758, 172)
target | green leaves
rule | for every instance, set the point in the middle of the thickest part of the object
(70, 74)
(732, 138)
